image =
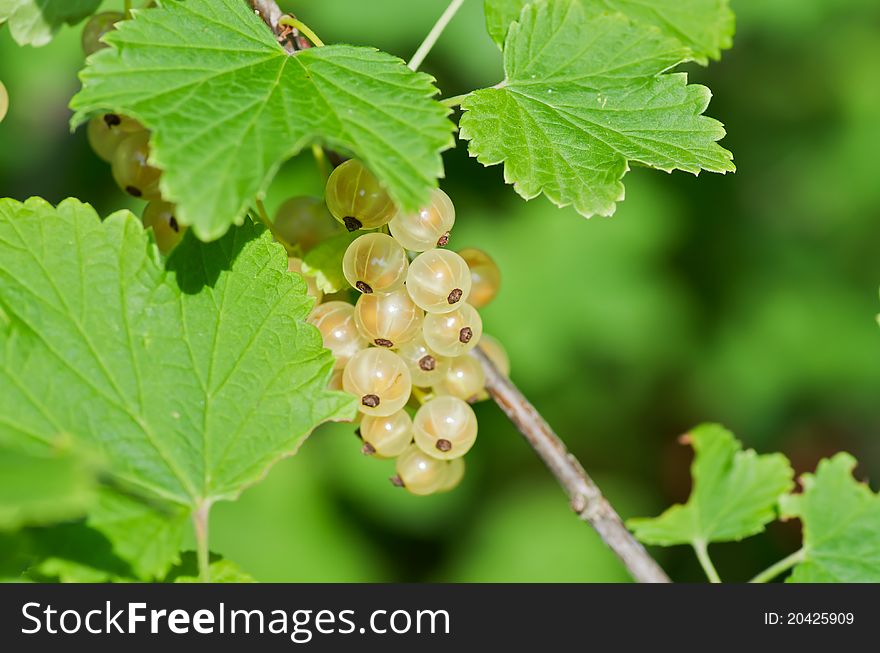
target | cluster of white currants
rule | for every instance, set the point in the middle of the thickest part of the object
(405, 342)
(125, 145)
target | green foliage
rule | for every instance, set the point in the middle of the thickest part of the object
(705, 27)
(571, 115)
(34, 22)
(220, 571)
(42, 489)
(227, 106)
(841, 521)
(734, 496)
(194, 380)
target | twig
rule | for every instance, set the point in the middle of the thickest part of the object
(586, 497)
(774, 570)
(288, 37)
(434, 34)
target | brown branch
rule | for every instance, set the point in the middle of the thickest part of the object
(586, 497)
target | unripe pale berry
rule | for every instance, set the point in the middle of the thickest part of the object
(130, 168)
(454, 474)
(445, 427)
(356, 198)
(375, 263)
(453, 334)
(388, 320)
(295, 265)
(428, 227)
(167, 232)
(96, 27)
(426, 366)
(464, 379)
(303, 222)
(107, 130)
(485, 275)
(439, 281)
(418, 472)
(379, 379)
(335, 321)
(4, 101)
(386, 437)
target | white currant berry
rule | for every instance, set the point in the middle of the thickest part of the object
(496, 353)
(428, 227)
(356, 198)
(107, 130)
(375, 263)
(485, 275)
(426, 366)
(167, 231)
(388, 320)
(418, 472)
(295, 265)
(445, 427)
(454, 475)
(335, 321)
(386, 437)
(97, 26)
(439, 281)
(303, 222)
(335, 382)
(4, 101)
(130, 168)
(464, 379)
(453, 334)
(379, 379)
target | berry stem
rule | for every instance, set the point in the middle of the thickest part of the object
(290, 21)
(263, 217)
(586, 497)
(434, 34)
(774, 570)
(321, 160)
(421, 396)
(700, 547)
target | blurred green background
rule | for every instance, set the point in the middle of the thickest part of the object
(748, 299)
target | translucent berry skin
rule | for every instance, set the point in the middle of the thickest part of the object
(445, 427)
(387, 437)
(439, 281)
(464, 379)
(107, 130)
(356, 198)
(335, 382)
(159, 216)
(420, 473)
(295, 265)
(426, 366)
(4, 101)
(454, 475)
(453, 334)
(130, 168)
(375, 263)
(496, 353)
(388, 320)
(485, 275)
(428, 227)
(303, 222)
(379, 379)
(98, 25)
(335, 321)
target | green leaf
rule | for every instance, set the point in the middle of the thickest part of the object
(220, 570)
(34, 22)
(841, 521)
(573, 113)
(42, 489)
(227, 105)
(324, 262)
(189, 383)
(734, 496)
(147, 535)
(705, 27)
(73, 553)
